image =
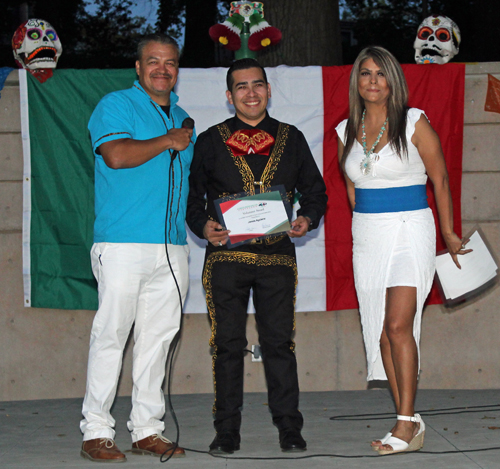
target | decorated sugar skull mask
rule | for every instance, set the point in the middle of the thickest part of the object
(437, 40)
(36, 45)
(247, 9)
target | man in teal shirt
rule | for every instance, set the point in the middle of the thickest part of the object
(142, 157)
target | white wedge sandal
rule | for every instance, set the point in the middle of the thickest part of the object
(401, 446)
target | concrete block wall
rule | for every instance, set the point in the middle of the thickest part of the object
(43, 353)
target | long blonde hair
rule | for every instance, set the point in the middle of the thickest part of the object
(397, 102)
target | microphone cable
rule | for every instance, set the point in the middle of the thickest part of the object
(189, 124)
(381, 416)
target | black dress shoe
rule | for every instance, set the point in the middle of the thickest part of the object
(225, 442)
(291, 440)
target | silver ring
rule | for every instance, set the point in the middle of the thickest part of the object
(220, 244)
(463, 246)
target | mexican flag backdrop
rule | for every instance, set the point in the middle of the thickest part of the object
(58, 189)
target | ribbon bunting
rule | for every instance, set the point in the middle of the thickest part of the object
(250, 141)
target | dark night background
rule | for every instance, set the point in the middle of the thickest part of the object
(106, 38)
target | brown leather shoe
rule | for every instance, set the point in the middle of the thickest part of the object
(156, 445)
(102, 450)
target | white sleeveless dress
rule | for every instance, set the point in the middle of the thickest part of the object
(389, 249)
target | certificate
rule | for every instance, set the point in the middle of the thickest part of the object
(256, 216)
(479, 271)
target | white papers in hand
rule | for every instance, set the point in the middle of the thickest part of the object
(478, 268)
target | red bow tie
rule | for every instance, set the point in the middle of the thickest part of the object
(248, 141)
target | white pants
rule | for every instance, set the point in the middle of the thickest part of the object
(135, 285)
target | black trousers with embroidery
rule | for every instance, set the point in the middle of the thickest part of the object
(229, 279)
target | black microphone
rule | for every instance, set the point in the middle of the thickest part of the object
(187, 123)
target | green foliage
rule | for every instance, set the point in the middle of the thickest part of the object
(172, 14)
(171, 17)
(389, 23)
(108, 38)
(104, 38)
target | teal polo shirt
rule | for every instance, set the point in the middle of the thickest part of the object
(131, 203)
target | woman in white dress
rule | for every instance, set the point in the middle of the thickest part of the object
(387, 151)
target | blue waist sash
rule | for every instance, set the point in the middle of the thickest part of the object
(394, 199)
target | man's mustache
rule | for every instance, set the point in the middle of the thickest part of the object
(161, 75)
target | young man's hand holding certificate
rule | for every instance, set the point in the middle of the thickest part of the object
(258, 216)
